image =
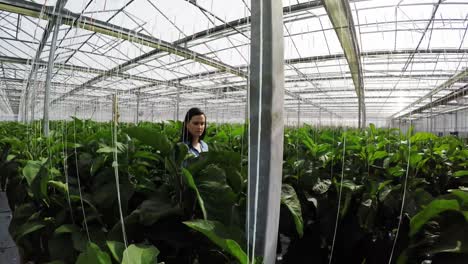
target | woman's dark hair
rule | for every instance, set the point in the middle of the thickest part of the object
(186, 136)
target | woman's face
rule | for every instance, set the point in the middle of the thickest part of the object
(196, 125)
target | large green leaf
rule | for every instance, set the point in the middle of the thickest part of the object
(415, 158)
(223, 159)
(218, 196)
(422, 136)
(66, 229)
(396, 171)
(181, 152)
(151, 210)
(31, 170)
(94, 210)
(60, 186)
(234, 179)
(150, 137)
(462, 195)
(93, 255)
(322, 186)
(290, 200)
(145, 155)
(461, 173)
(378, 155)
(372, 129)
(221, 236)
(350, 185)
(140, 254)
(116, 248)
(431, 210)
(191, 184)
(27, 228)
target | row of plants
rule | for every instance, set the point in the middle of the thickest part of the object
(63, 192)
(374, 169)
(341, 196)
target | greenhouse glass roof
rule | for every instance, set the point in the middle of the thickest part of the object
(412, 54)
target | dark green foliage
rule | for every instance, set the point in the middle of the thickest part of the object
(182, 210)
(375, 167)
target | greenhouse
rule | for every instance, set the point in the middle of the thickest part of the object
(234, 131)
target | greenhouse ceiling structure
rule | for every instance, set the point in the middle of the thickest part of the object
(370, 61)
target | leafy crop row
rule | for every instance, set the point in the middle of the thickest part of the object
(63, 192)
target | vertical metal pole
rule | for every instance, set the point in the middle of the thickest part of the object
(320, 117)
(138, 108)
(446, 123)
(298, 112)
(30, 99)
(331, 120)
(27, 97)
(222, 115)
(24, 106)
(431, 120)
(266, 99)
(115, 110)
(33, 103)
(205, 107)
(177, 103)
(363, 109)
(427, 122)
(152, 113)
(50, 65)
(359, 110)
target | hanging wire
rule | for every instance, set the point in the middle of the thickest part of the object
(78, 179)
(65, 167)
(115, 166)
(339, 197)
(342, 176)
(403, 199)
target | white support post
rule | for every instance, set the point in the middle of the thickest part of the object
(298, 113)
(50, 66)
(266, 99)
(137, 119)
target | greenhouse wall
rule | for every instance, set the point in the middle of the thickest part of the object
(442, 124)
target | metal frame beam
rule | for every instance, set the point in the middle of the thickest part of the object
(131, 63)
(103, 27)
(3, 93)
(314, 78)
(221, 29)
(454, 79)
(246, 21)
(336, 56)
(43, 64)
(22, 61)
(441, 101)
(68, 18)
(33, 72)
(340, 15)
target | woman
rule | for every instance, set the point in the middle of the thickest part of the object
(193, 131)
